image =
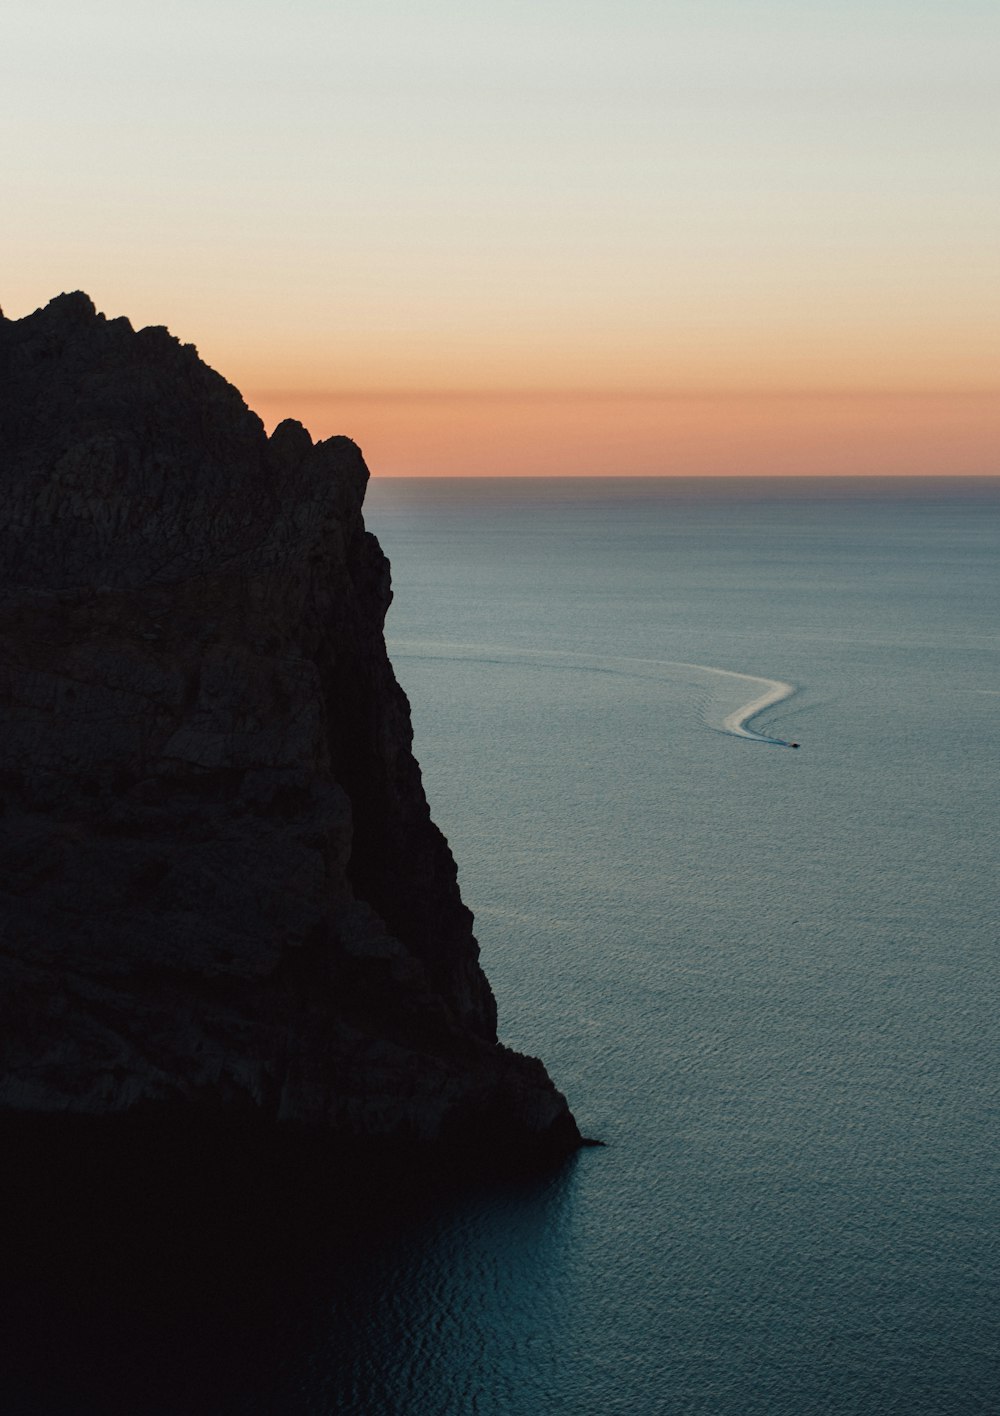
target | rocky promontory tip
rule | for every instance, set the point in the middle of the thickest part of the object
(221, 890)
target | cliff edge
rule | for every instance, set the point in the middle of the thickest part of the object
(221, 891)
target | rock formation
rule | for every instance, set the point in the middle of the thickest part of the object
(220, 887)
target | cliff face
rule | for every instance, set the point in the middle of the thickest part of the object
(220, 885)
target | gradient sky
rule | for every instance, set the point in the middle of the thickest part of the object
(708, 236)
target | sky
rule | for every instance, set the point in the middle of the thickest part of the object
(686, 237)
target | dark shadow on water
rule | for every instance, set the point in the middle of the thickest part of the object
(171, 1270)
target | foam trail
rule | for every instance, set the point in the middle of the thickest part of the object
(736, 723)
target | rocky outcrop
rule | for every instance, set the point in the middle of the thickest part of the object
(220, 886)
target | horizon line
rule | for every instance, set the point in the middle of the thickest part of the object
(424, 395)
(683, 476)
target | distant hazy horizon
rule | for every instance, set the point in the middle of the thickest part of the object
(718, 237)
(595, 435)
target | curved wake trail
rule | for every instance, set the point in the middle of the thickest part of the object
(736, 723)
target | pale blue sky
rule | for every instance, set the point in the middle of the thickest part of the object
(708, 195)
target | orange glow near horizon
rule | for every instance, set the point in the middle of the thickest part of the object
(701, 238)
(519, 434)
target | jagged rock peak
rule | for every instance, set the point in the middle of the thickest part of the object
(220, 886)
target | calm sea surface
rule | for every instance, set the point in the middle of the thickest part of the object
(766, 977)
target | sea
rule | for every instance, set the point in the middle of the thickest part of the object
(719, 763)
(766, 977)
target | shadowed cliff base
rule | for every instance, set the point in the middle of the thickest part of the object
(169, 1262)
(221, 891)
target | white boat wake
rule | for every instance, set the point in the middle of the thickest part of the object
(736, 722)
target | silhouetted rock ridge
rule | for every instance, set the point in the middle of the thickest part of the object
(220, 886)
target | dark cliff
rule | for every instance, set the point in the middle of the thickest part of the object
(221, 891)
